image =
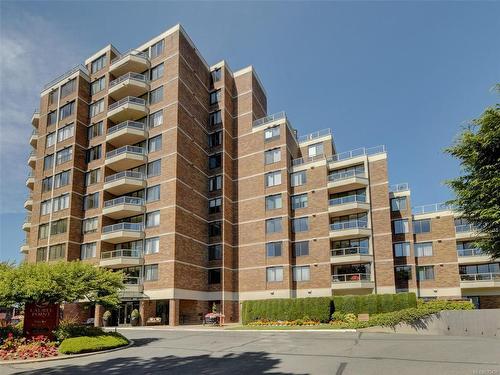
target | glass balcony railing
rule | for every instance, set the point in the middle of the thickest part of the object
(461, 228)
(133, 227)
(270, 118)
(490, 276)
(126, 149)
(123, 253)
(306, 160)
(124, 200)
(399, 187)
(469, 252)
(430, 208)
(128, 99)
(357, 152)
(356, 250)
(130, 75)
(124, 174)
(126, 124)
(132, 280)
(350, 224)
(27, 219)
(339, 176)
(132, 52)
(347, 199)
(315, 135)
(343, 278)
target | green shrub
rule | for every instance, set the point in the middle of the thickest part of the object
(350, 318)
(338, 316)
(4, 332)
(87, 344)
(68, 329)
(374, 303)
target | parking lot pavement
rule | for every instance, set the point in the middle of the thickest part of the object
(227, 352)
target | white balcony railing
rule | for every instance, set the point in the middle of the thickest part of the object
(350, 277)
(461, 228)
(270, 118)
(306, 160)
(124, 200)
(123, 253)
(128, 99)
(357, 152)
(133, 227)
(339, 176)
(348, 199)
(124, 149)
(130, 75)
(399, 187)
(470, 252)
(126, 124)
(315, 135)
(356, 250)
(490, 276)
(125, 174)
(80, 67)
(128, 53)
(350, 224)
(430, 208)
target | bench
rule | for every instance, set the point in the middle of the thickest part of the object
(153, 321)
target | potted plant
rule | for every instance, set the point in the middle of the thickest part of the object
(106, 318)
(134, 317)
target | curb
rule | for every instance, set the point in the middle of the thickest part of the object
(65, 356)
(236, 330)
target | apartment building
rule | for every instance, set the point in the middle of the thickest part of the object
(157, 164)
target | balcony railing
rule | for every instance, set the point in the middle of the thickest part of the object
(123, 253)
(124, 149)
(126, 124)
(125, 174)
(34, 132)
(347, 199)
(430, 208)
(133, 227)
(270, 118)
(31, 173)
(342, 278)
(130, 75)
(356, 250)
(306, 160)
(461, 228)
(399, 187)
(27, 218)
(132, 280)
(315, 135)
(490, 276)
(357, 152)
(124, 200)
(128, 99)
(339, 176)
(66, 75)
(469, 252)
(350, 224)
(130, 52)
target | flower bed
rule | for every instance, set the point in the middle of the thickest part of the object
(283, 323)
(21, 348)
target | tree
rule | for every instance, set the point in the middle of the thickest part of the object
(58, 283)
(477, 190)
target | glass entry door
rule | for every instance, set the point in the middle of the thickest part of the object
(125, 312)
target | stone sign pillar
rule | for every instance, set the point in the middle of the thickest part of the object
(40, 319)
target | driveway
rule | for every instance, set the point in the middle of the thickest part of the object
(229, 352)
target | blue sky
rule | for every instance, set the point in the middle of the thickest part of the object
(404, 74)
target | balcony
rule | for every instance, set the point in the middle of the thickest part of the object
(398, 188)
(126, 157)
(25, 247)
(122, 232)
(35, 119)
(466, 256)
(32, 159)
(350, 204)
(352, 157)
(121, 207)
(345, 181)
(34, 138)
(28, 203)
(30, 181)
(129, 108)
(349, 255)
(352, 281)
(133, 287)
(27, 223)
(129, 84)
(350, 229)
(124, 182)
(121, 258)
(480, 280)
(126, 133)
(464, 231)
(130, 61)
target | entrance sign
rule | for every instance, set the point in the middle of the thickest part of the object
(41, 319)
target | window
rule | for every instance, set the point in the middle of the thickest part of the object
(402, 249)
(53, 95)
(215, 118)
(46, 184)
(273, 225)
(41, 254)
(272, 156)
(398, 204)
(273, 202)
(43, 231)
(154, 168)
(152, 219)
(58, 226)
(425, 273)
(273, 178)
(98, 64)
(95, 130)
(298, 178)
(423, 249)
(96, 108)
(480, 268)
(215, 183)
(57, 251)
(215, 139)
(48, 162)
(300, 225)
(156, 95)
(152, 245)
(215, 97)
(88, 250)
(90, 225)
(60, 203)
(214, 276)
(400, 226)
(91, 201)
(61, 179)
(271, 134)
(45, 207)
(214, 205)
(68, 88)
(153, 194)
(157, 49)
(50, 140)
(422, 226)
(299, 201)
(64, 155)
(157, 72)
(66, 110)
(214, 229)
(93, 153)
(301, 273)
(214, 161)
(52, 118)
(216, 75)
(402, 273)
(300, 248)
(315, 150)
(98, 85)
(156, 119)
(65, 132)
(274, 274)
(92, 177)
(273, 249)
(214, 252)
(154, 144)
(151, 272)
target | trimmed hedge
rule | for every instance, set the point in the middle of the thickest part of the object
(85, 344)
(321, 308)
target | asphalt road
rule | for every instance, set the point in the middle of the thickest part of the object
(229, 352)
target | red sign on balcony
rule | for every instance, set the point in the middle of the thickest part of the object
(41, 319)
